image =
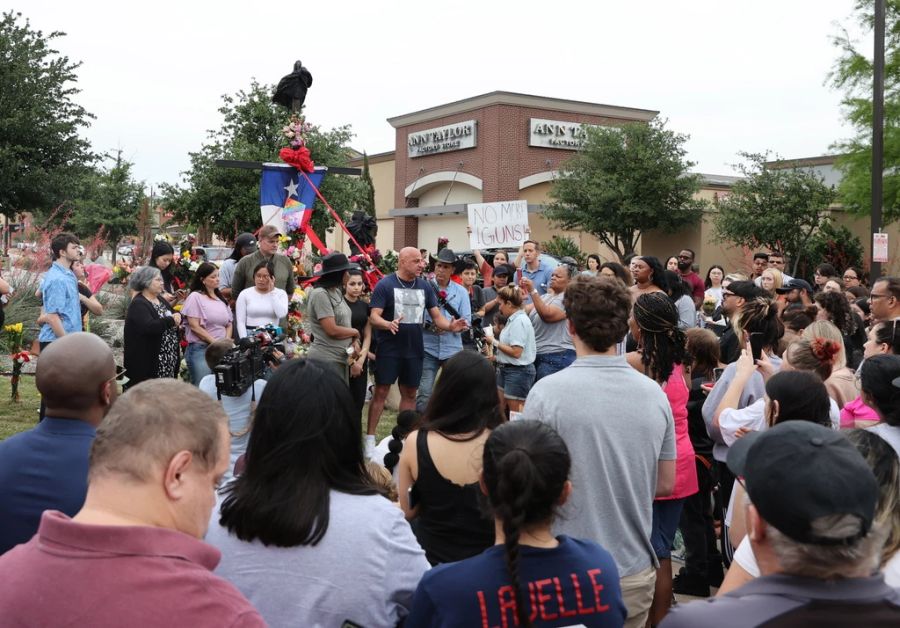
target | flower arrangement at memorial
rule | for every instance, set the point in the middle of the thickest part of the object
(297, 154)
(15, 342)
(184, 268)
(709, 305)
(121, 272)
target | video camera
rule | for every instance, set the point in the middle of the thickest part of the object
(246, 362)
(476, 334)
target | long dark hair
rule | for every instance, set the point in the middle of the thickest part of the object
(677, 286)
(801, 396)
(838, 308)
(876, 380)
(160, 248)
(886, 334)
(306, 441)
(658, 278)
(204, 270)
(407, 421)
(460, 403)
(662, 342)
(526, 466)
(708, 282)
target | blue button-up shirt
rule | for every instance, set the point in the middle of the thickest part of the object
(540, 277)
(444, 345)
(60, 293)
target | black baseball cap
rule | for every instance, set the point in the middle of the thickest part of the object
(797, 472)
(744, 289)
(502, 269)
(794, 284)
(245, 241)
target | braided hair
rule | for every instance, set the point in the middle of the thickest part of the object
(662, 342)
(407, 421)
(526, 467)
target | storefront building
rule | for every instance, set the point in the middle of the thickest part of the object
(505, 146)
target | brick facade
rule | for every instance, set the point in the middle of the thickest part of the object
(502, 155)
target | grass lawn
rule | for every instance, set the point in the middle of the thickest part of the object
(18, 417)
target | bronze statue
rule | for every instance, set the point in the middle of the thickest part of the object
(291, 90)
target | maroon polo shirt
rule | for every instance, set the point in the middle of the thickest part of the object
(90, 575)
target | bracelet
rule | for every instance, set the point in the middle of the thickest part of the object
(534, 291)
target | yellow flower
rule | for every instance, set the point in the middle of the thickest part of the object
(18, 328)
(178, 307)
(186, 254)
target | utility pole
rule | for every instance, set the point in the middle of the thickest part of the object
(877, 132)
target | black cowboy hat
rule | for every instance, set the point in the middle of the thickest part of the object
(335, 263)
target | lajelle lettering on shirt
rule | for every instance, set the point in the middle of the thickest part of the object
(549, 599)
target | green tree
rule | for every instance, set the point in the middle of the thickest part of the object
(109, 199)
(774, 208)
(834, 244)
(853, 74)
(563, 246)
(40, 149)
(625, 181)
(227, 200)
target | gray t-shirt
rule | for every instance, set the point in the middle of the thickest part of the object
(617, 424)
(754, 389)
(551, 337)
(226, 273)
(365, 569)
(325, 302)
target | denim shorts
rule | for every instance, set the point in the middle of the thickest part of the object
(515, 381)
(666, 514)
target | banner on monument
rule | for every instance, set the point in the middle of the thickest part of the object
(498, 225)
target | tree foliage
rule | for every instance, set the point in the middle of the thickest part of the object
(227, 200)
(834, 244)
(369, 201)
(625, 181)
(853, 74)
(40, 149)
(563, 246)
(110, 199)
(774, 208)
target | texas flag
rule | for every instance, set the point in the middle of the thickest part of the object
(284, 194)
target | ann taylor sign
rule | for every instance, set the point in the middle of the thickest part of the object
(556, 134)
(442, 139)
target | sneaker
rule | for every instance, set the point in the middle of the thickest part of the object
(690, 584)
(370, 447)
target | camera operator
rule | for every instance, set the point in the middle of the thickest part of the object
(238, 408)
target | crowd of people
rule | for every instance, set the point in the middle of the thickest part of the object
(558, 427)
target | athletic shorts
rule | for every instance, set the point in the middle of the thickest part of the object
(406, 371)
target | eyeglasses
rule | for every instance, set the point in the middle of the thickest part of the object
(874, 296)
(850, 277)
(728, 294)
(119, 376)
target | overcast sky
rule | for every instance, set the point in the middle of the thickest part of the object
(733, 75)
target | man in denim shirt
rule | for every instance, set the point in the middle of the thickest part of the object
(62, 309)
(440, 345)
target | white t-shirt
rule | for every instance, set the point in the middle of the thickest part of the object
(238, 411)
(255, 309)
(889, 433)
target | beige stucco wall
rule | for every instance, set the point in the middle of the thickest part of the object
(382, 174)
(445, 194)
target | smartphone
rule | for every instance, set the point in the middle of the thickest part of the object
(717, 374)
(756, 345)
(413, 495)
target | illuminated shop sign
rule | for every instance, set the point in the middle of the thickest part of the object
(442, 139)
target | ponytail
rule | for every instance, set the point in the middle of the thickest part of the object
(526, 467)
(407, 421)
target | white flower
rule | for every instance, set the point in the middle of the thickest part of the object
(194, 266)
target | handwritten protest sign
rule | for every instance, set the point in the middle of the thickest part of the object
(498, 225)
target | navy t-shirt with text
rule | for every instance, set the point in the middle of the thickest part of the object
(574, 584)
(411, 299)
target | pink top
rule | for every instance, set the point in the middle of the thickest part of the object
(487, 273)
(677, 393)
(214, 315)
(858, 414)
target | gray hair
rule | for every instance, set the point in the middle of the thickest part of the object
(142, 276)
(830, 562)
